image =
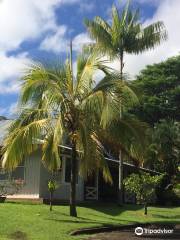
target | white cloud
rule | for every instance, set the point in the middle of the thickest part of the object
(168, 12)
(58, 42)
(11, 68)
(10, 111)
(80, 40)
(13, 109)
(87, 6)
(149, 2)
(2, 111)
(22, 20)
(9, 88)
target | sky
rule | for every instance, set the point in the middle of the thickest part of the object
(35, 30)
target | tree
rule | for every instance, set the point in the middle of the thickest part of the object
(126, 34)
(143, 185)
(58, 105)
(164, 149)
(159, 88)
(52, 186)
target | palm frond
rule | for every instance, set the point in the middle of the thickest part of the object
(125, 34)
(22, 142)
(151, 36)
(92, 154)
(37, 80)
(50, 149)
(128, 135)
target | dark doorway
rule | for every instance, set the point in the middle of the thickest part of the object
(108, 192)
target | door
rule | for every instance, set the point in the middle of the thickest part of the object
(91, 188)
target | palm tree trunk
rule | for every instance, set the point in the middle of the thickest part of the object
(121, 65)
(120, 190)
(73, 211)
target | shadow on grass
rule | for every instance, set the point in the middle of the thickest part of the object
(176, 217)
(78, 221)
(18, 235)
(110, 212)
(112, 209)
(90, 221)
(108, 221)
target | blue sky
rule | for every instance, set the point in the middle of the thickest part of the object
(32, 30)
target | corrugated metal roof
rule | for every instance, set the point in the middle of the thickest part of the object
(4, 125)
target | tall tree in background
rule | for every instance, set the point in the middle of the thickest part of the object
(57, 104)
(125, 34)
(159, 88)
(164, 148)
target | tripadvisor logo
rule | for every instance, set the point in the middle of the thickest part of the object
(139, 231)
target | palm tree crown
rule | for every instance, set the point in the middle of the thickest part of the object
(125, 33)
(57, 105)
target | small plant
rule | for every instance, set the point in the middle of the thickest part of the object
(143, 185)
(52, 186)
(10, 187)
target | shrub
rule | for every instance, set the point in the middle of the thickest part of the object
(10, 187)
(167, 194)
(143, 185)
(52, 186)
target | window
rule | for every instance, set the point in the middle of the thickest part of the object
(68, 170)
(4, 175)
(18, 173)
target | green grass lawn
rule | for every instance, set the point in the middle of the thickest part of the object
(25, 221)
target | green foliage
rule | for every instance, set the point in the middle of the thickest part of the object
(168, 193)
(164, 149)
(52, 185)
(10, 187)
(125, 34)
(159, 90)
(57, 105)
(171, 197)
(143, 185)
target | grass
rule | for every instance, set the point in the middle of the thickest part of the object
(25, 221)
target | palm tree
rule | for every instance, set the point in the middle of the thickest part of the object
(57, 105)
(125, 34)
